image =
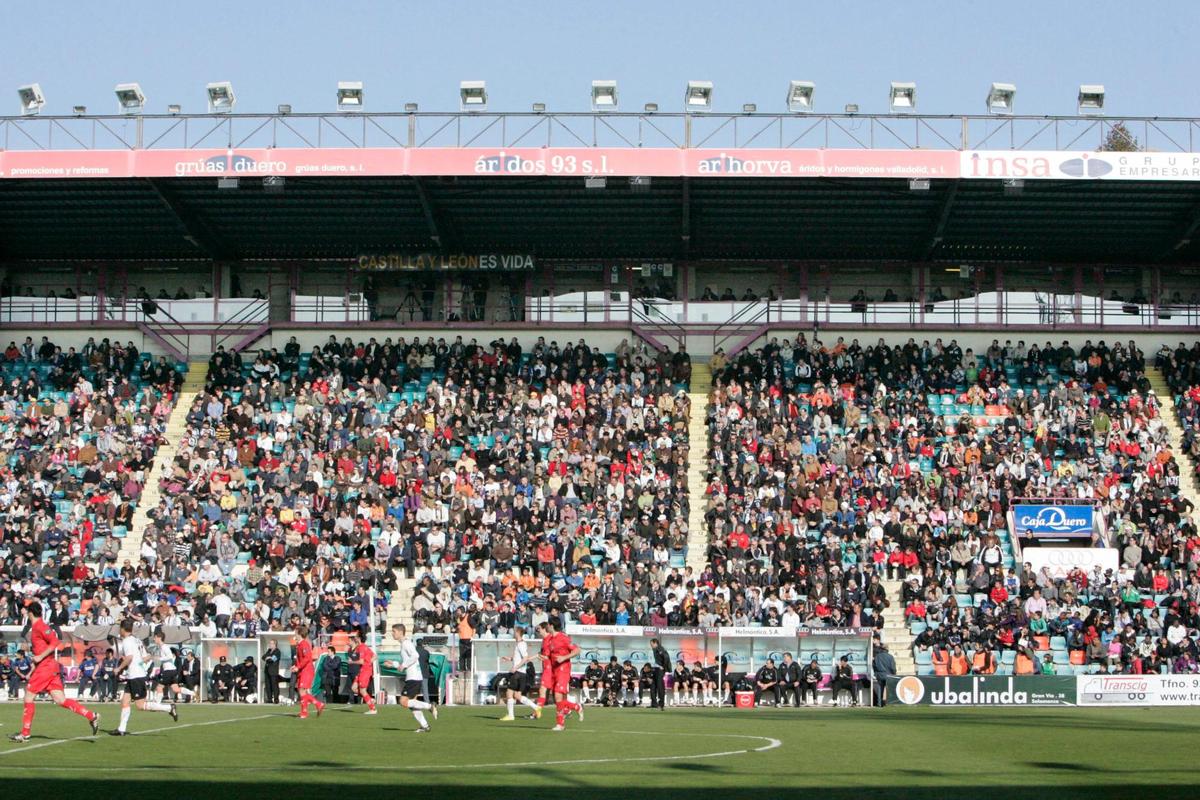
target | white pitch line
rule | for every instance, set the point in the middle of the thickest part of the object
(40, 745)
(771, 745)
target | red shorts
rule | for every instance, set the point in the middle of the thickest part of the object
(363, 679)
(562, 677)
(304, 680)
(45, 680)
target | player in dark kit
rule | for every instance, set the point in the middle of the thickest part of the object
(47, 674)
(592, 686)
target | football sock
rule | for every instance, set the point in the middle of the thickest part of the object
(526, 701)
(77, 707)
(27, 719)
(153, 706)
(124, 720)
(511, 703)
(421, 705)
(420, 717)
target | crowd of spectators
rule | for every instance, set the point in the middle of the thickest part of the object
(79, 431)
(552, 481)
(833, 465)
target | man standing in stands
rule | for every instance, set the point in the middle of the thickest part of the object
(46, 675)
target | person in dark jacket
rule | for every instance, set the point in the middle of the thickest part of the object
(662, 665)
(810, 681)
(222, 681)
(789, 680)
(766, 682)
(843, 679)
(884, 667)
(270, 663)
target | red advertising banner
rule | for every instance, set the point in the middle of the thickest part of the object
(588, 161)
(655, 162)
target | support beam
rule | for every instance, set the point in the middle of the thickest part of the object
(685, 233)
(435, 233)
(195, 230)
(935, 237)
(1185, 233)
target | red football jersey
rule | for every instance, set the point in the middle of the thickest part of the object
(367, 656)
(42, 638)
(560, 644)
(304, 657)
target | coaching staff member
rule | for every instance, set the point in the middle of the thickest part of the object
(662, 665)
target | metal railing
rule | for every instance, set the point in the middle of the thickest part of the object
(593, 129)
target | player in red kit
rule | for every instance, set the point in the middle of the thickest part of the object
(364, 657)
(47, 674)
(562, 650)
(305, 671)
(546, 685)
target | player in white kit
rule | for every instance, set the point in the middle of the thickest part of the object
(521, 679)
(414, 679)
(135, 668)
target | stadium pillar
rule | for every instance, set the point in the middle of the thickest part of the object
(101, 291)
(804, 294)
(1077, 287)
(999, 294)
(921, 292)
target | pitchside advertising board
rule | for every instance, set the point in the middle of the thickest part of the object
(982, 690)
(1045, 690)
(597, 161)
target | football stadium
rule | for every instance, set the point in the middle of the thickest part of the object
(646, 448)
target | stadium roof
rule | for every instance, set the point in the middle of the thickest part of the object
(692, 218)
(708, 187)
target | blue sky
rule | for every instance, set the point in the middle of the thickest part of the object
(295, 52)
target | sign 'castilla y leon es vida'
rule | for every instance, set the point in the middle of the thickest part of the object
(424, 262)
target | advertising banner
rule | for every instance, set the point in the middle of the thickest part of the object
(1139, 690)
(425, 262)
(1066, 165)
(983, 690)
(1061, 560)
(1054, 522)
(601, 161)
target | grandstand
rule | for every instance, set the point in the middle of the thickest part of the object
(475, 384)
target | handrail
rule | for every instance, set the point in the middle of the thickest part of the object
(643, 311)
(174, 338)
(254, 315)
(735, 325)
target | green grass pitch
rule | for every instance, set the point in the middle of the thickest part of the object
(224, 752)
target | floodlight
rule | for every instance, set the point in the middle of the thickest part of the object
(473, 95)
(1091, 98)
(595, 182)
(410, 107)
(1013, 186)
(639, 184)
(174, 108)
(130, 99)
(1000, 98)
(79, 110)
(604, 95)
(651, 108)
(851, 108)
(31, 98)
(539, 108)
(749, 108)
(903, 97)
(350, 95)
(227, 183)
(221, 99)
(273, 184)
(284, 109)
(800, 96)
(698, 96)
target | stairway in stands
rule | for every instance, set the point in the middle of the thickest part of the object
(400, 605)
(896, 635)
(1187, 480)
(193, 384)
(697, 465)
